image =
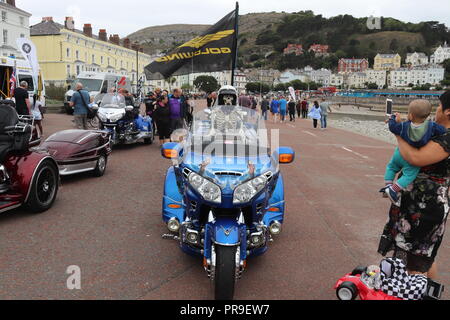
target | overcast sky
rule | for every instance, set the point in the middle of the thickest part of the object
(125, 17)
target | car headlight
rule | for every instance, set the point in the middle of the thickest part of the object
(208, 190)
(245, 192)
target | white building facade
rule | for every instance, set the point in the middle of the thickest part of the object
(418, 76)
(441, 54)
(417, 59)
(377, 76)
(14, 23)
(322, 76)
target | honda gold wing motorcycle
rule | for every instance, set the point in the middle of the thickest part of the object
(125, 125)
(224, 195)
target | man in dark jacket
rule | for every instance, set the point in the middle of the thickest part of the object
(22, 99)
(265, 106)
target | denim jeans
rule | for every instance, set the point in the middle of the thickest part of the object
(323, 121)
(265, 115)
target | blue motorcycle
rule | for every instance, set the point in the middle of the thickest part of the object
(125, 125)
(224, 195)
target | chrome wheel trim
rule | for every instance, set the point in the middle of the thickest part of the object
(345, 294)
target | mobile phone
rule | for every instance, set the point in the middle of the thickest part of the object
(389, 107)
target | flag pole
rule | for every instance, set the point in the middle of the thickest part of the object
(235, 44)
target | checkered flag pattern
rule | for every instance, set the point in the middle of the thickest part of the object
(398, 283)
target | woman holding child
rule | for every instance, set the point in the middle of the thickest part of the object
(417, 226)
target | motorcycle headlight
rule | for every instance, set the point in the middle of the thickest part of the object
(102, 117)
(116, 117)
(245, 192)
(208, 190)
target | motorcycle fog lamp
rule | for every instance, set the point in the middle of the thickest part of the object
(256, 239)
(275, 228)
(192, 237)
(173, 225)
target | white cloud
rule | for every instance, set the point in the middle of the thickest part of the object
(124, 17)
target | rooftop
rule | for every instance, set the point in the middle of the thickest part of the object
(13, 8)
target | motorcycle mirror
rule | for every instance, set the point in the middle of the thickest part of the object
(285, 155)
(170, 150)
(208, 111)
(95, 106)
(129, 108)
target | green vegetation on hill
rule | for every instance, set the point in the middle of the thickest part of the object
(263, 36)
(347, 36)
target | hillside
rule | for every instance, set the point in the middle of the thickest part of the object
(162, 38)
(347, 36)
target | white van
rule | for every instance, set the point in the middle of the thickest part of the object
(97, 84)
(24, 73)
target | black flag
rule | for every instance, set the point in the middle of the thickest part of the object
(213, 51)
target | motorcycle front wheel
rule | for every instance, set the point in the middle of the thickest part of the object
(225, 273)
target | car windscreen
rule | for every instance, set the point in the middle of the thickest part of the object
(89, 84)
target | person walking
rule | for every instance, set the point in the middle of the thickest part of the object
(325, 108)
(161, 115)
(211, 100)
(283, 109)
(176, 110)
(305, 108)
(38, 115)
(254, 102)
(292, 106)
(315, 114)
(275, 109)
(265, 106)
(79, 101)
(244, 101)
(22, 99)
(299, 109)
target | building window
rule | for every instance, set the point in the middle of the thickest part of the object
(101, 59)
(78, 70)
(68, 70)
(5, 36)
(77, 54)
(93, 58)
(68, 52)
(4, 16)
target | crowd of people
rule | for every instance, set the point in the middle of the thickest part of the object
(280, 107)
(170, 111)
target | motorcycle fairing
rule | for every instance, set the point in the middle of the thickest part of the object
(225, 232)
(173, 196)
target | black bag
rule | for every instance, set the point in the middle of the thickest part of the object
(90, 112)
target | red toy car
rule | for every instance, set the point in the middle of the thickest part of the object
(27, 177)
(351, 286)
(390, 281)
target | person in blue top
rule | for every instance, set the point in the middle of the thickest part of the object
(283, 109)
(274, 108)
(418, 131)
(80, 101)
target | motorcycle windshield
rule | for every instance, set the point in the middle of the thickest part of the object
(114, 101)
(228, 143)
